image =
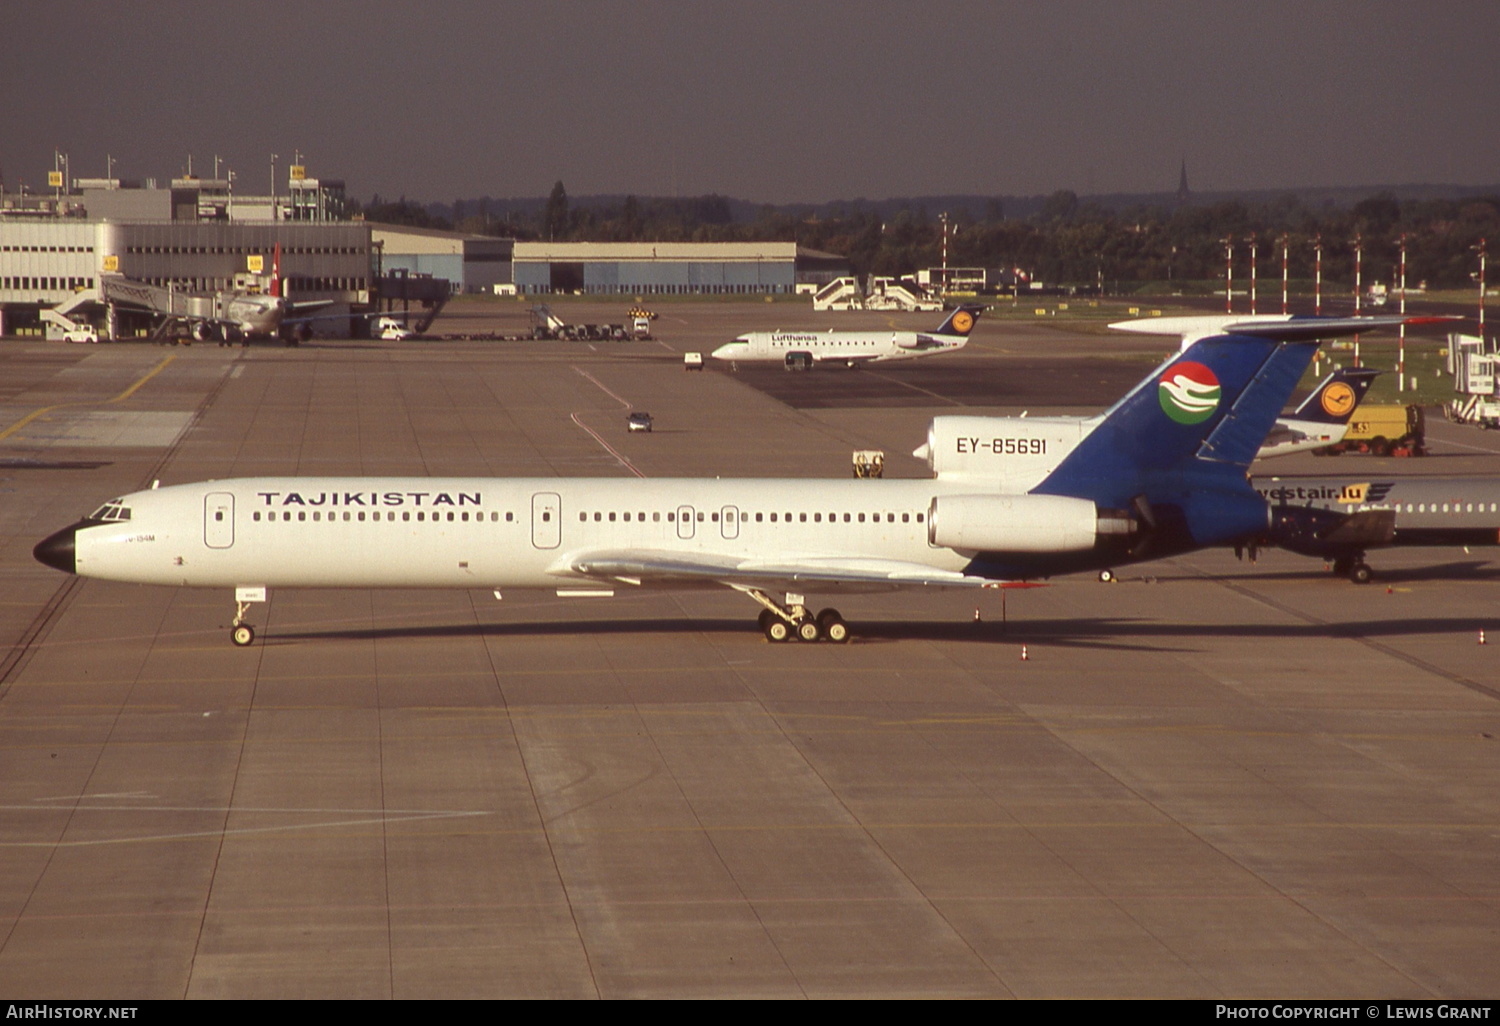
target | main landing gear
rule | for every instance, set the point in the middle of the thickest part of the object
(783, 622)
(1353, 567)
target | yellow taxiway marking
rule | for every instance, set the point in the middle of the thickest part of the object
(153, 372)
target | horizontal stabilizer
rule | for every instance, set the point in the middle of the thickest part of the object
(1279, 327)
(1310, 329)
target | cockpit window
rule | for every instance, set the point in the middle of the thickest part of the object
(114, 509)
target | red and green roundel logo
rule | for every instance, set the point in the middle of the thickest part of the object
(1189, 392)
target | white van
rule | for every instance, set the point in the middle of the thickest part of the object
(393, 330)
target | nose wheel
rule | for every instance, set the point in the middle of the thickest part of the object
(240, 632)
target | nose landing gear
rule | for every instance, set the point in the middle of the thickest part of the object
(240, 632)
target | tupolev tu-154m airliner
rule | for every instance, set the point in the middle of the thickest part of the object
(1163, 472)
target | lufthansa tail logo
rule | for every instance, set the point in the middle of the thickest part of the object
(1189, 392)
(1338, 399)
(963, 322)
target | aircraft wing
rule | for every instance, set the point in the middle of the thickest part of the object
(649, 567)
(845, 357)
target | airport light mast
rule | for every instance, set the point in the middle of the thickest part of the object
(1228, 274)
(1484, 346)
(1359, 256)
(1252, 274)
(1284, 255)
(1401, 338)
(1318, 277)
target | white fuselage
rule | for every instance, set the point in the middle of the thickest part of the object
(255, 316)
(1015, 454)
(497, 532)
(837, 346)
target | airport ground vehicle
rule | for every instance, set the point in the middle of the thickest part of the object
(692, 361)
(638, 421)
(87, 333)
(392, 330)
(1383, 430)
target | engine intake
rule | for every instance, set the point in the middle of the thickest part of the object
(1024, 523)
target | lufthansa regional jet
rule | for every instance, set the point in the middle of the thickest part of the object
(802, 349)
(1164, 472)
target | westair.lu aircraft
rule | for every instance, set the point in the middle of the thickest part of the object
(1338, 519)
(1164, 472)
(805, 348)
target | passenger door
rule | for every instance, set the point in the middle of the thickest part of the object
(546, 520)
(218, 520)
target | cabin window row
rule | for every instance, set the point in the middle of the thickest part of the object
(599, 516)
(390, 516)
(1447, 507)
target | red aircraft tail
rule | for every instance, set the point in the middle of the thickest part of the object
(276, 271)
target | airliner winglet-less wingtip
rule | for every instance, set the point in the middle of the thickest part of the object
(1162, 472)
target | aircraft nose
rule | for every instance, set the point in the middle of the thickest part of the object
(57, 550)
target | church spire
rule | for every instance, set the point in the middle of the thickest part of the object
(1183, 193)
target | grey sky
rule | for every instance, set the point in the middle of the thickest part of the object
(770, 101)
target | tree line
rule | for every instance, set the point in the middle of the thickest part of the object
(1064, 241)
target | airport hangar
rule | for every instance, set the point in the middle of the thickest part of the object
(478, 264)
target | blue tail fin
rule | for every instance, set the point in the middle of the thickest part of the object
(1334, 400)
(961, 321)
(1177, 448)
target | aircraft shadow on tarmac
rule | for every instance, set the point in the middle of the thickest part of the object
(1478, 570)
(1134, 634)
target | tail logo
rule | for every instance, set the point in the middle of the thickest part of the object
(1189, 392)
(1338, 399)
(963, 322)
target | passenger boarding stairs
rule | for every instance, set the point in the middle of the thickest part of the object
(1476, 378)
(840, 294)
(58, 319)
(883, 294)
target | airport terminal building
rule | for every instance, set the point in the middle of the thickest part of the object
(55, 263)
